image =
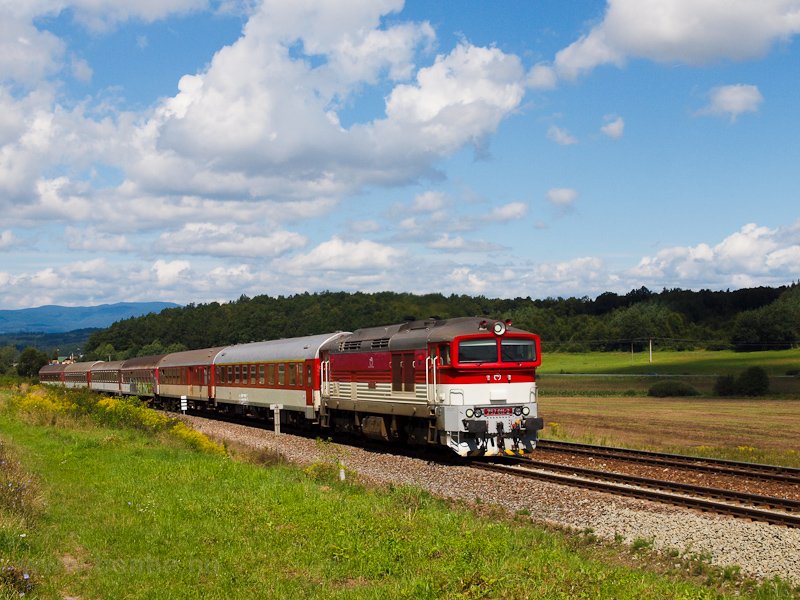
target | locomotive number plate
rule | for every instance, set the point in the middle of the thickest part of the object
(498, 412)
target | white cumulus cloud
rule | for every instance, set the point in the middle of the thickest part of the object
(562, 198)
(560, 136)
(733, 100)
(168, 273)
(752, 254)
(340, 255)
(614, 127)
(510, 211)
(8, 240)
(684, 31)
(229, 239)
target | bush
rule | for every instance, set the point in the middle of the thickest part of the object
(752, 382)
(725, 386)
(665, 389)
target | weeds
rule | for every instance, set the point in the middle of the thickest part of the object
(21, 504)
(640, 544)
(331, 467)
(19, 491)
(14, 581)
(49, 406)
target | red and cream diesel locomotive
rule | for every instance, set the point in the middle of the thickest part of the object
(466, 383)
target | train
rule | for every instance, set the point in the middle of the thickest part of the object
(466, 383)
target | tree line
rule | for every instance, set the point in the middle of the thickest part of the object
(761, 318)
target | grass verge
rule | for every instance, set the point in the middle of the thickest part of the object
(126, 515)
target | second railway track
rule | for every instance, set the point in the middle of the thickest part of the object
(789, 475)
(779, 511)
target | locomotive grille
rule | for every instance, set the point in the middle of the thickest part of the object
(350, 346)
(381, 343)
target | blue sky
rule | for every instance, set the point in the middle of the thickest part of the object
(197, 150)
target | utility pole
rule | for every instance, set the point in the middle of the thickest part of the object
(651, 351)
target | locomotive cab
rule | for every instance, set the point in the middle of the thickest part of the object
(466, 383)
(485, 390)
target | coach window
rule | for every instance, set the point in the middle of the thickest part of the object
(292, 375)
(260, 374)
(236, 371)
(281, 374)
(252, 374)
(229, 379)
(271, 374)
(309, 376)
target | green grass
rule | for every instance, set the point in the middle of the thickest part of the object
(695, 362)
(126, 513)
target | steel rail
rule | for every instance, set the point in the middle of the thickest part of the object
(743, 512)
(695, 463)
(672, 486)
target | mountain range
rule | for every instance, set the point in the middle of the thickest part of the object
(58, 319)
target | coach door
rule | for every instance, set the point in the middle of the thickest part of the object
(307, 380)
(199, 380)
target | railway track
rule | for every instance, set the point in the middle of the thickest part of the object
(779, 473)
(779, 511)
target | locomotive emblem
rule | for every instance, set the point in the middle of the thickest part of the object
(497, 377)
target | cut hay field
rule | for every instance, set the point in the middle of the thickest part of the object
(602, 398)
(740, 429)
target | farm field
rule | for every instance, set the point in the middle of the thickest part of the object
(118, 512)
(693, 362)
(754, 430)
(602, 398)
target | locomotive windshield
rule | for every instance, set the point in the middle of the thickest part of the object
(485, 350)
(477, 351)
(517, 350)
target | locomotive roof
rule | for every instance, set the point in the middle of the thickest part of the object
(189, 358)
(302, 348)
(412, 334)
(53, 368)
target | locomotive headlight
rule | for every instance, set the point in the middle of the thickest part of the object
(526, 411)
(517, 410)
(478, 413)
(470, 413)
(499, 328)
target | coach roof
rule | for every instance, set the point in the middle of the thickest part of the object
(189, 358)
(302, 348)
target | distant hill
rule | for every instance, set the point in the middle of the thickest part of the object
(58, 319)
(64, 344)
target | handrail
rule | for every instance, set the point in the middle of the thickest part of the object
(430, 368)
(325, 378)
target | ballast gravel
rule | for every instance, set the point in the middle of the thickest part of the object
(760, 550)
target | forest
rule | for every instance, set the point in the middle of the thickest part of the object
(761, 318)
